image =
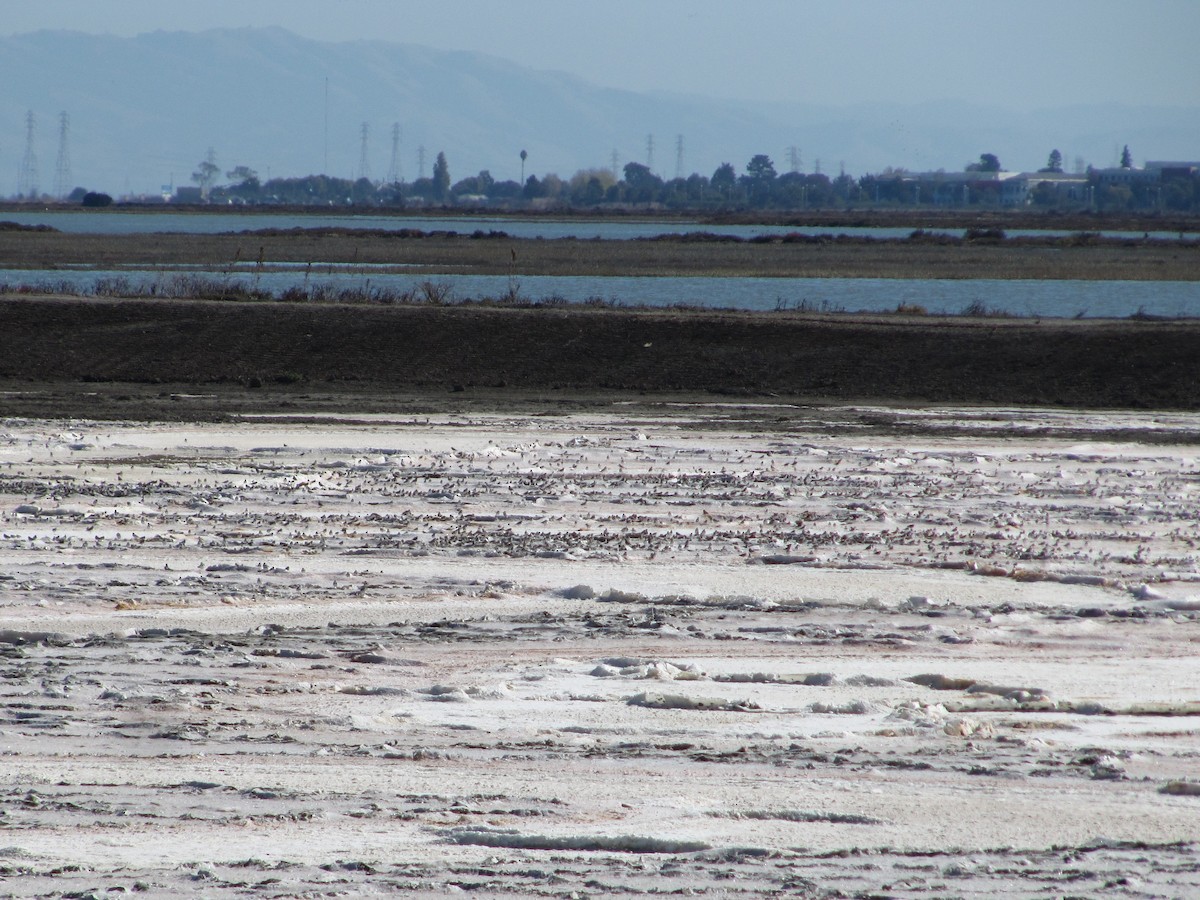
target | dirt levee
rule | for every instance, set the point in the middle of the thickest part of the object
(913, 358)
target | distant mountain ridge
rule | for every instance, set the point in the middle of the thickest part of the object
(144, 112)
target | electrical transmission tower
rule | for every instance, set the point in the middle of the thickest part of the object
(679, 156)
(616, 163)
(62, 169)
(28, 182)
(794, 158)
(421, 161)
(393, 175)
(650, 152)
(364, 168)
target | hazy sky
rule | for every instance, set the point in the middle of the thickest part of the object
(1014, 53)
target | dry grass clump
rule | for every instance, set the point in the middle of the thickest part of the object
(977, 309)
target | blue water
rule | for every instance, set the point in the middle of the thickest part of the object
(1061, 299)
(143, 222)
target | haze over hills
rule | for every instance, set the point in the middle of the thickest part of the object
(144, 111)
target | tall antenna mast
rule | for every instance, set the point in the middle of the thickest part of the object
(393, 175)
(794, 158)
(62, 169)
(28, 182)
(364, 168)
(679, 156)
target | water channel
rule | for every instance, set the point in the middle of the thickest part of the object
(1031, 298)
(143, 222)
(1057, 298)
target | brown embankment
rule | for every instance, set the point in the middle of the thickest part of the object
(798, 256)
(438, 349)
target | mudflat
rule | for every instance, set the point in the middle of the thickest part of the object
(97, 350)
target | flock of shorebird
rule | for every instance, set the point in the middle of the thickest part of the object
(1121, 513)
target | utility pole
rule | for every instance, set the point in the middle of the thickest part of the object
(27, 186)
(62, 169)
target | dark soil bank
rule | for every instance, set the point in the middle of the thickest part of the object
(435, 349)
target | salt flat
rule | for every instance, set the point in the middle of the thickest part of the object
(603, 655)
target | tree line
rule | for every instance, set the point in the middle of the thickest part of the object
(757, 186)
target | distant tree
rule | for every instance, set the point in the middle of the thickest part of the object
(504, 190)
(760, 180)
(643, 185)
(636, 173)
(480, 184)
(552, 185)
(845, 188)
(674, 193)
(206, 175)
(1054, 163)
(441, 178)
(791, 191)
(1126, 158)
(77, 195)
(723, 181)
(244, 182)
(760, 169)
(391, 194)
(241, 174)
(1043, 193)
(587, 186)
(94, 199)
(886, 187)
(819, 189)
(591, 194)
(422, 187)
(1182, 194)
(308, 191)
(699, 190)
(532, 189)
(363, 191)
(988, 162)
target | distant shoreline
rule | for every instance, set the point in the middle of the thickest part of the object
(830, 218)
